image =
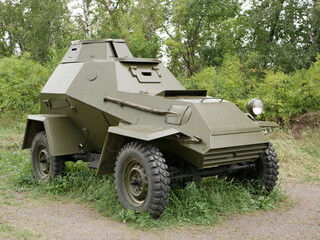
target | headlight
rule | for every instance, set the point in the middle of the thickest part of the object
(255, 106)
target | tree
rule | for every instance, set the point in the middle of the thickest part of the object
(33, 26)
(314, 21)
(193, 28)
(282, 35)
(12, 25)
(85, 4)
(138, 22)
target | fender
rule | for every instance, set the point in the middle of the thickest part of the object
(142, 132)
(119, 135)
(63, 136)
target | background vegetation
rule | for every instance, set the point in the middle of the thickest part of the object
(236, 49)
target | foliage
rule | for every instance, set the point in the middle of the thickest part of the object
(33, 26)
(224, 82)
(267, 49)
(195, 32)
(283, 34)
(123, 19)
(21, 80)
(285, 95)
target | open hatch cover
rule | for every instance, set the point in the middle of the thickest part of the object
(177, 93)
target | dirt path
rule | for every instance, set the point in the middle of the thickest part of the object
(46, 219)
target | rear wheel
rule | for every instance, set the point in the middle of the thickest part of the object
(142, 179)
(45, 167)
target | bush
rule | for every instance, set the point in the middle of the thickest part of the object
(228, 82)
(21, 80)
(285, 96)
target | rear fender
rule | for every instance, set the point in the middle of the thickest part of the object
(63, 136)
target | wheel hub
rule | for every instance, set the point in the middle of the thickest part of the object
(44, 161)
(136, 184)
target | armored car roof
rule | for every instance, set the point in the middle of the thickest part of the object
(103, 49)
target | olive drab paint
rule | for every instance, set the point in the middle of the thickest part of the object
(193, 124)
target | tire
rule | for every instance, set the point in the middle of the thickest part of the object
(267, 169)
(265, 174)
(45, 167)
(142, 179)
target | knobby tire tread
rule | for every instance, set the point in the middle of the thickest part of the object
(159, 175)
(58, 164)
(269, 173)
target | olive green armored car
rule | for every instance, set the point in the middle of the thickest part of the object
(131, 117)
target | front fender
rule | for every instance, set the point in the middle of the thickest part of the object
(142, 132)
(119, 135)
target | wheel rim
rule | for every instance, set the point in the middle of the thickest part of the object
(135, 183)
(43, 161)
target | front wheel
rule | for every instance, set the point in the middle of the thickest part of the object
(45, 167)
(142, 179)
(265, 173)
(267, 169)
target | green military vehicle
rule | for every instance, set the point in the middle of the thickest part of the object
(131, 117)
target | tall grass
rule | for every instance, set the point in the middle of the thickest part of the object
(299, 155)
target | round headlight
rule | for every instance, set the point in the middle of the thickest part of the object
(255, 106)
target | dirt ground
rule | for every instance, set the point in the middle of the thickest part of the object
(47, 219)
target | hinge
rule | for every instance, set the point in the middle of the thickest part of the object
(157, 71)
(133, 70)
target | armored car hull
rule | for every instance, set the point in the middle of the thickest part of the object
(131, 116)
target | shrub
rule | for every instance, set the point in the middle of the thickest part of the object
(285, 96)
(21, 80)
(223, 82)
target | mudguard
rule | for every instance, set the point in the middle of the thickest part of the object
(119, 135)
(63, 136)
(142, 132)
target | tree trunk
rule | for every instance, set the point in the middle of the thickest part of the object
(85, 8)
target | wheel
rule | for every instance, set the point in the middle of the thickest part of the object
(142, 179)
(267, 169)
(45, 167)
(265, 173)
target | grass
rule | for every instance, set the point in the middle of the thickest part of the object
(194, 205)
(7, 231)
(300, 156)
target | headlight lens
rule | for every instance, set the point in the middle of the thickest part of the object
(255, 106)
